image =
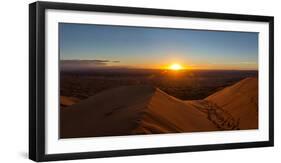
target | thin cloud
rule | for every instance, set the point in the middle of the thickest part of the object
(84, 64)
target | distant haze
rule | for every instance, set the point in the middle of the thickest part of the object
(104, 46)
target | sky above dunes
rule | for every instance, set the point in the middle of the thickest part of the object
(142, 47)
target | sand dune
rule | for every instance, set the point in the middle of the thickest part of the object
(166, 114)
(241, 101)
(146, 110)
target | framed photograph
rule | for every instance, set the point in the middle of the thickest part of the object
(111, 81)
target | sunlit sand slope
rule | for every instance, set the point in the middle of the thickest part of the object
(241, 101)
(68, 101)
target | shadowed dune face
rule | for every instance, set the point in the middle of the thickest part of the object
(143, 109)
(112, 112)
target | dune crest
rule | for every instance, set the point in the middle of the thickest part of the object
(143, 109)
(166, 114)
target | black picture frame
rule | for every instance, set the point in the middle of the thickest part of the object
(37, 88)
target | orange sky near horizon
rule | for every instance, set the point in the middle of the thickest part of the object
(190, 66)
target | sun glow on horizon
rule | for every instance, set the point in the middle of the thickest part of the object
(175, 67)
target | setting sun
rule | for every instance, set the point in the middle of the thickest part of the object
(175, 67)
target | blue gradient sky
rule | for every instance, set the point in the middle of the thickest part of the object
(140, 47)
